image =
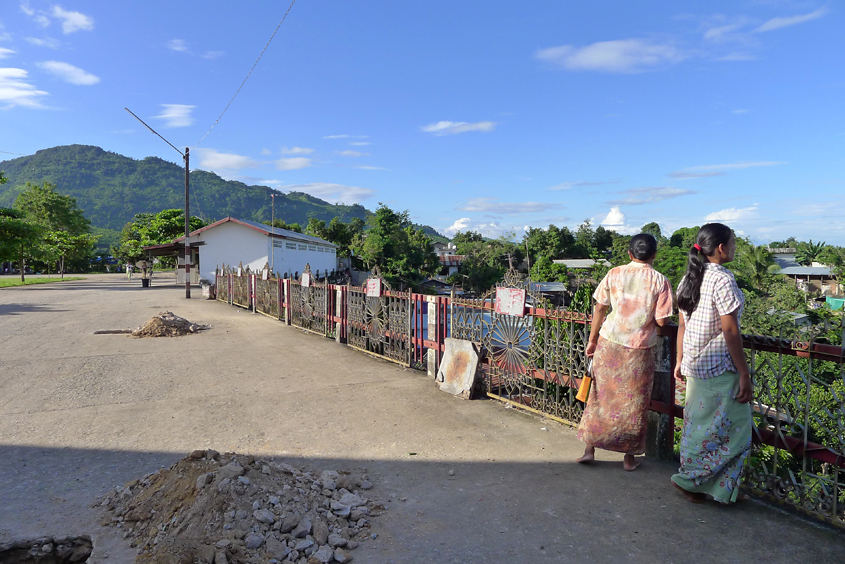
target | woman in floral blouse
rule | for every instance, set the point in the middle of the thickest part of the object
(717, 416)
(621, 344)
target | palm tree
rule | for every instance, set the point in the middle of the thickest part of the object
(808, 253)
(757, 265)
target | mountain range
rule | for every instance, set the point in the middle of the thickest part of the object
(111, 188)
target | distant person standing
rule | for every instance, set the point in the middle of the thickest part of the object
(129, 271)
(717, 416)
(638, 299)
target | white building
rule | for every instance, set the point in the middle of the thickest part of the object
(233, 241)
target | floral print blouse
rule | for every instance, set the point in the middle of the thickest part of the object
(637, 295)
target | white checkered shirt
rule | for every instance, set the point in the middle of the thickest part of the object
(705, 351)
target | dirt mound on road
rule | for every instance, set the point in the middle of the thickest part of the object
(233, 508)
(168, 324)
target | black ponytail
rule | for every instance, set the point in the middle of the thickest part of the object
(709, 237)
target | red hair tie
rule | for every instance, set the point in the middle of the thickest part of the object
(697, 247)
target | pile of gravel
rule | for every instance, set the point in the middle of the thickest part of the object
(168, 324)
(209, 508)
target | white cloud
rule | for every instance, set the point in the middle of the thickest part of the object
(177, 45)
(490, 205)
(211, 159)
(297, 151)
(42, 20)
(359, 143)
(352, 154)
(490, 229)
(740, 111)
(4, 53)
(69, 73)
(733, 214)
(365, 167)
(211, 55)
(26, 9)
(73, 21)
(293, 163)
(733, 166)
(649, 195)
(344, 136)
(778, 23)
(719, 32)
(4, 36)
(737, 57)
(16, 91)
(266, 152)
(45, 42)
(620, 56)
(177, 115)
(454, 127)
(615, 220)
(333, 193)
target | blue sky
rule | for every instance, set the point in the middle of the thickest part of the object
(489, 116)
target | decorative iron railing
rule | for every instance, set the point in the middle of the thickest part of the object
(222, 277)
(536, 361)
(378, 320)
(309, 304)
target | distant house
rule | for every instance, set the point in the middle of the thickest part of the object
(579, 264)
(232, 241)
(449, 265)
(444, 249)
(814, 278)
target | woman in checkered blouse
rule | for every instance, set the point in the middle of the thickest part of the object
(717, 415)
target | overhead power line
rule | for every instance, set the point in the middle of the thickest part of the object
(247, 76)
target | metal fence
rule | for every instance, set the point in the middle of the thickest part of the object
(536, 360)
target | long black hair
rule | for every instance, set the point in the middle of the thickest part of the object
(709, 237)
(643, 246)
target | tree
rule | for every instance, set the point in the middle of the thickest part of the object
(317, 228)
(485, 263)
(672, 263)
(653, 229)
(544, 270)
(403, 254)
(808, 253)
(152, 229)
(684, 238)
(17, 237)
(462, 241)
(756, 266)
(281, 224)
(64, 230)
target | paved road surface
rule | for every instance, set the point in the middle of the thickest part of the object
(81, 413)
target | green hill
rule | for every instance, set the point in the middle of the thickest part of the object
(111, 189)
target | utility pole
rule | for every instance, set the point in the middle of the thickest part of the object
(187, 227)
(185, 156)
(272, 230)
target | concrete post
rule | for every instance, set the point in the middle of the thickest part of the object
(338, 311)
(432, 334)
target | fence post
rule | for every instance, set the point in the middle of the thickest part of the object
(660, 434)
(286, 287)
(433, 353)
(338, 312)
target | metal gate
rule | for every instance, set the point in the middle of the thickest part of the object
(379, 320)
(309, 304)
(534, 361)
(268, 294)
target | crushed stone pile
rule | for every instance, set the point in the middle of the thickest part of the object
(220, 509)
(168, 324)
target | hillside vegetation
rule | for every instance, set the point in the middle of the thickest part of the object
(111, 189)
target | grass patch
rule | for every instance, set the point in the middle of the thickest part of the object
(10, 282)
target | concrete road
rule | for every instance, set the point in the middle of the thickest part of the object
(81, 413)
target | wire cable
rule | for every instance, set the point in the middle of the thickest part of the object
(247, 76)
(8, 153)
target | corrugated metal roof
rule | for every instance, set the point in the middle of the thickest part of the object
(578, 263)
(287, 233)
(451, 260)
(806, 271)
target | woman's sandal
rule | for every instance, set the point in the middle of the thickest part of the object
(694, 497)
